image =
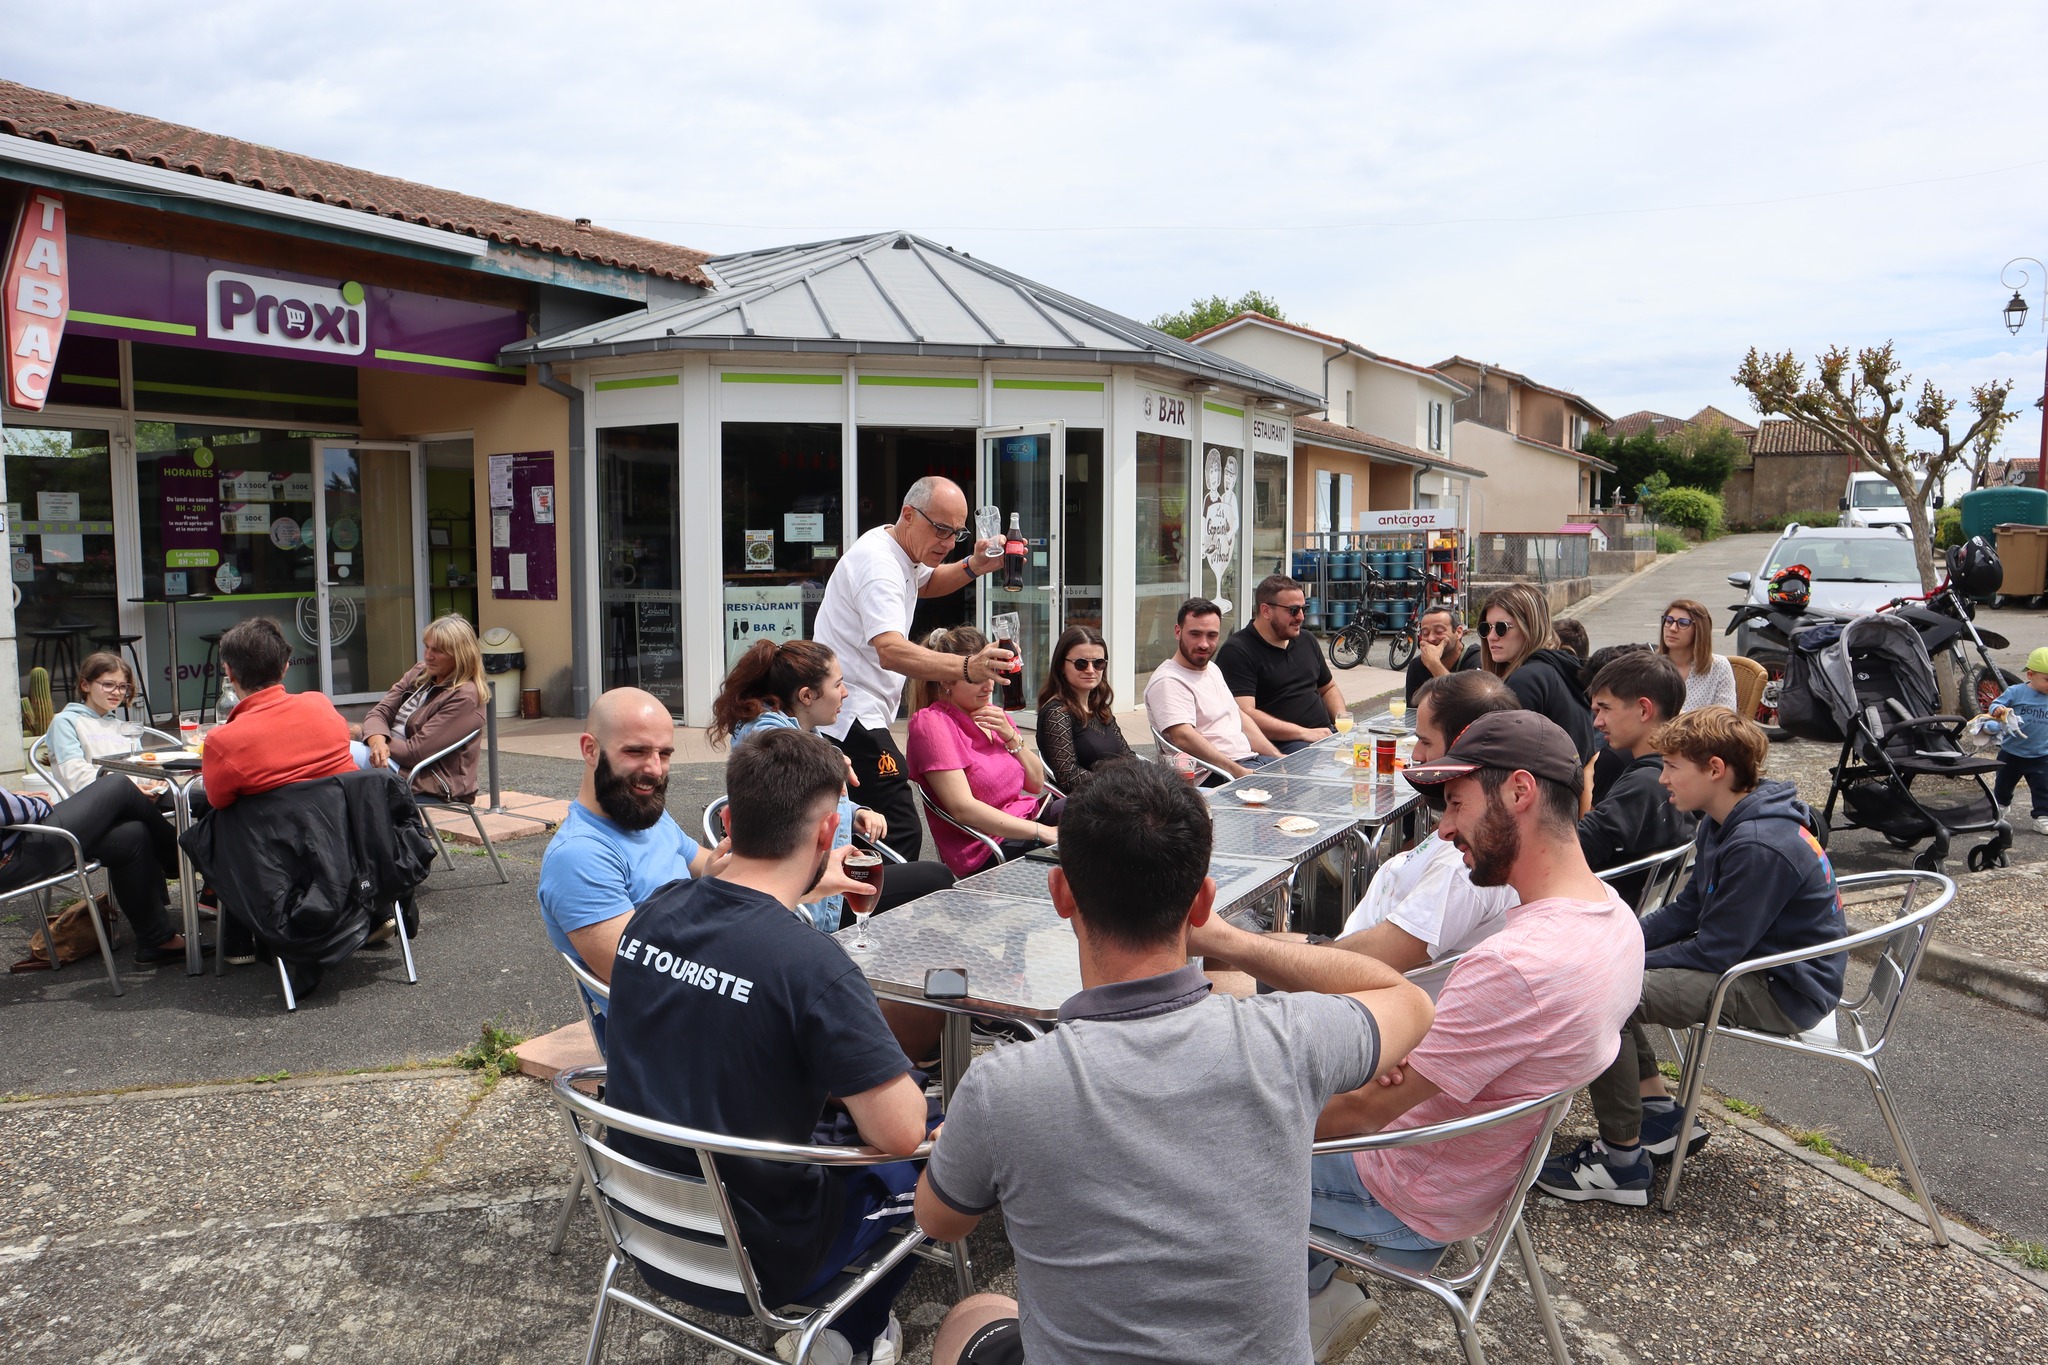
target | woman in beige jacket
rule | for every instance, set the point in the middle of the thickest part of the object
(436, 703)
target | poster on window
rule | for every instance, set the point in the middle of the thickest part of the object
(769, 612)
(522, 544)
(188, 510)
(1221, 469)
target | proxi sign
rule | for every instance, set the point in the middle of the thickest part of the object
(37, 290)
(288, 314)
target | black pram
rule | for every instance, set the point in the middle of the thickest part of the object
(1869, 684)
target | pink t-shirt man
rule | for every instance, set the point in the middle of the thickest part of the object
(1538, 1007)
(943, 738)
(1179, 695)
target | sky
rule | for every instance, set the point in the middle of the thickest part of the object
(1617, 199)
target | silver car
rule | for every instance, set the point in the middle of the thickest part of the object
(1854, 568)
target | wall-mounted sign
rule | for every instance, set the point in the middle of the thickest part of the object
(759, 554)
(658, 647)
(1168, 412)
(1408, 519)
(764, 613)
(1269, 433)
(803, 528)
(37, 292)
(290, 315)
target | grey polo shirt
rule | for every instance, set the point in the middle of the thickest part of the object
(1151, 1156)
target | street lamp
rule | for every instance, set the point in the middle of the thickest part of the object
(2016, 318)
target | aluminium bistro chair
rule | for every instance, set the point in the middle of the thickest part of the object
(44, 766)
(1431, 976)
(714, 830)
(78, 874)
(1666, 871)
(1464, 1294)
(429, 803)
(1750, 677)
(589, 988)
(934, 812)
(1855, 1033)
(684, 1225)
(1167, 749)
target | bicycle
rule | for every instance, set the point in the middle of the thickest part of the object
(1350, 646)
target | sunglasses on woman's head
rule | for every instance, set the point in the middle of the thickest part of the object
(1500, 628)
(1091, 665)
(1682, 622)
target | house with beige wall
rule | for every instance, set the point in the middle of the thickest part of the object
(1383, 439)
(1526, 437)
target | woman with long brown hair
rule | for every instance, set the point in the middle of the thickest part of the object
(1519, 646)
(1686, 638)
(796, 685)
(1077, 730)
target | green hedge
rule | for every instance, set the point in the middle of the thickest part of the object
(1691, 509)
(1948, 528)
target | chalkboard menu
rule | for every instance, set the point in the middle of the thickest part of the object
(658, 648)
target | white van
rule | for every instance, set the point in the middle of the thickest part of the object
(1870, 500)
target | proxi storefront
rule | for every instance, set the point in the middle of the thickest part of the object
(742, 440)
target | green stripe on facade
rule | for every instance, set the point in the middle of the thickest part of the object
(915, 381)
(176, 329)
(239, 597)
(1053, 385)
(1223, 408)
(416, 358)
(89, 381)
(259, 395)
(736, 377)
(652, 381)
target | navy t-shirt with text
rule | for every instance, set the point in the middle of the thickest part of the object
(732, 1015)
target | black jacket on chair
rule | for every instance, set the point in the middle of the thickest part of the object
(310, 867)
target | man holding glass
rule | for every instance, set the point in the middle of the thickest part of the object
(865, 617)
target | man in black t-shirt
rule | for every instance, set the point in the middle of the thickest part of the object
(731, 1014)
(1277, 672)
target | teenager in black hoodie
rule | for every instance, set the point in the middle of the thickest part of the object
(1632, 696)
(1761, 885)
(1522, 651)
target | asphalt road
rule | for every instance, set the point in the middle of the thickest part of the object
(1968, 1077)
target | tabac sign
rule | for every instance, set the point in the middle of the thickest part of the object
(36, 290)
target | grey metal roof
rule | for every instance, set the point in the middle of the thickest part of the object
(891, 294)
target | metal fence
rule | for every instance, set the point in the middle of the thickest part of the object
(1541, 556)
(1615, 526)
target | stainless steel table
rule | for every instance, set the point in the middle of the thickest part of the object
(1240, 881)
(181, 779)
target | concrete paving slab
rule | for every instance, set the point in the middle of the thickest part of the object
(569, 1046)
(526, 816)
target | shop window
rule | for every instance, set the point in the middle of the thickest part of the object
(1269, 514)
(1222, 511)
(1086, 480)
(224, 383)
(451, 528)
(1162, 581)
(88, 373)
(60, 518)
(640, 547)
(782, 527)
(892, 459)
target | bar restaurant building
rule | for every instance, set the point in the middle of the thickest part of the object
(289, 387)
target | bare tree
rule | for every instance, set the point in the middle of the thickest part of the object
(1863, 405)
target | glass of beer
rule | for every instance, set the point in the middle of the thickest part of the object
(866, 867)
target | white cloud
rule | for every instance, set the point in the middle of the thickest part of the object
(1527, 169)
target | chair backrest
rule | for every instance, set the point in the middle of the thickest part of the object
(1432, 975)
(426, 764)
(1662, 873)
(679, 1223)
(39, 759)
(1750, 677)
(1167, 749)
(1479, 1275)
(1904, 939)
(714, 826)
(590, 988)
(932, 812)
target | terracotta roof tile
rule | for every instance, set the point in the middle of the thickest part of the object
(1315, 426)
(96, 128)
(1662, 423)
(1514, 377)
(1782, 436)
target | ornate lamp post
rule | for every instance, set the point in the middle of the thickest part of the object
(2016, 318)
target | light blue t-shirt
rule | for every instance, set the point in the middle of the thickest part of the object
(2032, 707)
(594, 871)
(824, 913)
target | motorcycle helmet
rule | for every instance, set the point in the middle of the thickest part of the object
(1974, 568)
(1791, 586)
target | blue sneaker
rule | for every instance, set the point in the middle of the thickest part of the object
(1660, 1132)
(1590, 1172)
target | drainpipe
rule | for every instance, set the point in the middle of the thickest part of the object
(1349, 349)
(579, 547)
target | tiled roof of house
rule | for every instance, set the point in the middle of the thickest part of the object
(64, 122)
(1313, 427)
(1662, 423)
(1328, 339)
(1711, 415)
(1581, 456)
(1782, 436)
(1524, 379)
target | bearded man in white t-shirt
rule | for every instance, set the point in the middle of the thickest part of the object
(865, 618)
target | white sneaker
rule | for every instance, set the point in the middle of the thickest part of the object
(1339, 1316)
(830, 1348)
(888, 1347)
(2041, 825)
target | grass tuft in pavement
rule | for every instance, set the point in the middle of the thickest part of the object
(1817, 1140)
(1744, 1108)
(492, 1052)
(2032, 1255)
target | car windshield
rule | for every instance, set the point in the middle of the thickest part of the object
(1886, 560)
(1876, 493)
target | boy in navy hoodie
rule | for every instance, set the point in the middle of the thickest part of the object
(1761, 884)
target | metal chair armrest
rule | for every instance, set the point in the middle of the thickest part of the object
(1946, 892)
(1439, 1132)
(426, 764)
(77, 849)
(803, 1154)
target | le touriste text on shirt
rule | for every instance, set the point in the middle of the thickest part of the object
(679, 968)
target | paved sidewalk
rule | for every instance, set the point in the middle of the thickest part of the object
(401, 1218)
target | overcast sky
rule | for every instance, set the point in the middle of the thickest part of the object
(1618, 199)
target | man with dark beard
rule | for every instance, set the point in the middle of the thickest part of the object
(1534, 1008)
(618, 844)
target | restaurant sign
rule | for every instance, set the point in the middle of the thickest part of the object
(35, 288)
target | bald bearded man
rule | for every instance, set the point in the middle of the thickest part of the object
(865, 617)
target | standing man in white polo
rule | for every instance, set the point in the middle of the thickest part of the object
(865, 617)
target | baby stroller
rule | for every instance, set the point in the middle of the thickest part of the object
(1900, 762)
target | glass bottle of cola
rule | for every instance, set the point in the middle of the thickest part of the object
(1014, 550)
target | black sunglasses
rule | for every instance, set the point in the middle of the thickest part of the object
(958, 533)
(1682, 622)
(1090, 665)
(1295, 610)
(1500, 628)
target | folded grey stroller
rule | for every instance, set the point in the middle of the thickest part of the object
(1902, 771)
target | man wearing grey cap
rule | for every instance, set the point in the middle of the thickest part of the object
(1535, 1008)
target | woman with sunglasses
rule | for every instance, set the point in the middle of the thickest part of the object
(1520, 648)
(1687, 639)
(1077, 732)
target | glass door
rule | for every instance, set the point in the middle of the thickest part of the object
(1023, 472)
(367, 611)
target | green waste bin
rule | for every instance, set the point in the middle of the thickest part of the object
(1986, 509)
